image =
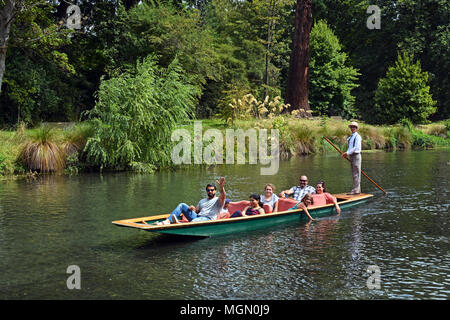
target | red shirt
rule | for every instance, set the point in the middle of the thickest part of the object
(322, 199)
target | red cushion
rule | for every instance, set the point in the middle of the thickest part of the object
(235, 206)
(285, 204)
(266, 208)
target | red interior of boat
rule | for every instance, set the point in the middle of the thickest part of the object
(283, 205)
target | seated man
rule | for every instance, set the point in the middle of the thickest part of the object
(300, 191)
(207, 208)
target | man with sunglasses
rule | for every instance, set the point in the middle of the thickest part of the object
(207, 208)
(299, 191)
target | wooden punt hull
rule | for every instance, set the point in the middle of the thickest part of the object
(241, 224)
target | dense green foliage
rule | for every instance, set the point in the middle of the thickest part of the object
(418, 27)
(36, 85)
(135, 114)
(404, 93)
(224, 47)
(331, 78)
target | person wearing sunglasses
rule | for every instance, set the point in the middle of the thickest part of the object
(298, 192)
(206, 209)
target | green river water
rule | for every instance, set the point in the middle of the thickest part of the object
(53, 222)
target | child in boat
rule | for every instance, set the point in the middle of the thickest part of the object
(254, 208)
(322, 197)
(269, 198)
(307, 200)
(224, 213)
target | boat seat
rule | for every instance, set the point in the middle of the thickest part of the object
(235, 206)
(285, 204)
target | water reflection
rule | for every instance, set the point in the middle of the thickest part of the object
(55, 221)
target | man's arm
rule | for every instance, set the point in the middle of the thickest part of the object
(288, 192)
(221, 184)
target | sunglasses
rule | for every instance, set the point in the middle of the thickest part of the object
(303, 180)
(210, 190)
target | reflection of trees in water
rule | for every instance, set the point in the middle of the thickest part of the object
(317, 260)
(282, 264)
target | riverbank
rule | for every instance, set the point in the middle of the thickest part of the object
(297, 137)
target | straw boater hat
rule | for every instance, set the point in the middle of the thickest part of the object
(353, 124)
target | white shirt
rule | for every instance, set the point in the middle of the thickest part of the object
(209, 208)
(271, 201)
(354, 144)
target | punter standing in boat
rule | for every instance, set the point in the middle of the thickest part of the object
(354, 155)
(207, 208)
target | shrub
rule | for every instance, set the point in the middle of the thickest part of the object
(404, 93)
(75, 138)
(42, 153)
(2, 163)
(436, 129)
(135, 114)
(372, 137)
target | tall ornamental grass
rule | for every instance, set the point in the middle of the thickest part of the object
(42, 153)
(135, 114)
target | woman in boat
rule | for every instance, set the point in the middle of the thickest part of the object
(322, 197)
(269, 198)
(254, 208)
(307, 200)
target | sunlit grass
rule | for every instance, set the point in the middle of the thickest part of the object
(46, 149)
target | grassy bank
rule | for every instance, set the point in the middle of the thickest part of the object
(60, 149)
(304, 136)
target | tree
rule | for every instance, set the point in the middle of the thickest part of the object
(404, 93)
(270, 15)
(35, 83)
(419, 27)
(331, 78)
(7, 14)
(298, 78)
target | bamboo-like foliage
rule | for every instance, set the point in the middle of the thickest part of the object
(42, 153)
(136, 113)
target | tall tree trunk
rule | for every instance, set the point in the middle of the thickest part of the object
(298, 78)
(6, 18)
(270, 27)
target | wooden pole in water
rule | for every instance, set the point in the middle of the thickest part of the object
(365, 175)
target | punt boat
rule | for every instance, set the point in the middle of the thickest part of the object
(242, 224)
